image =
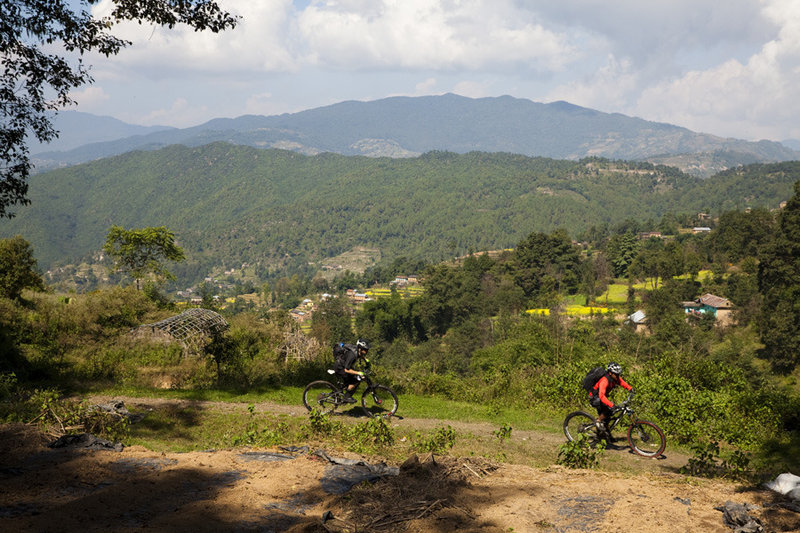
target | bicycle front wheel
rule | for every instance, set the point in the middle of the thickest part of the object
(379, 401)
(320, 395)
(580, 423)
(646, 439)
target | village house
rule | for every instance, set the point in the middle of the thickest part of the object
(717, 306)
(644, 235)
(638, 321)
(299, 315)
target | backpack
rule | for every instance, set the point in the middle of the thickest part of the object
(340, 351)
(592, 377)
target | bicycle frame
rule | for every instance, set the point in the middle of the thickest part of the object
(625, 410)
(341, 388)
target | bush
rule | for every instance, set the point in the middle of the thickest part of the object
(579, 454)
(442, 439)
(707, 462)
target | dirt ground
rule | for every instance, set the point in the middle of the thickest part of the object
(305, 490)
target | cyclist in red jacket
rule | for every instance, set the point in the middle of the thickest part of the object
(598, 398)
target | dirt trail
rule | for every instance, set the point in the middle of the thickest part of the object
(43, 489)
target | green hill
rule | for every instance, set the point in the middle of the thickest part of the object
(278, 210)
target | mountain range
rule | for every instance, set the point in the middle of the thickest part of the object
(409, 126)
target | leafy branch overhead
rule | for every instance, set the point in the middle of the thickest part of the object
(140, 252)
(36, 81)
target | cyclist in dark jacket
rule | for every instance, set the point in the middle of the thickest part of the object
(599, 399)
(344, 367)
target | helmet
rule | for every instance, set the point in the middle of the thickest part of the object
(362, 345)
(614, 368)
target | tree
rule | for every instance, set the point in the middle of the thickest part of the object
(331, 322)
(544, 264)
(620, 251)
(142, 252)
(36, 81)
(17, 268)
(779, 283)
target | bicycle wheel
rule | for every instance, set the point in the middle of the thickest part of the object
(379, 401)
(646, 439)
(578, 423)
(320, 395)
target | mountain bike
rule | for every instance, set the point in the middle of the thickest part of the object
(644, 437)
(376, 400)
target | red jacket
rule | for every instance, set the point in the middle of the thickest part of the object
(604, 386)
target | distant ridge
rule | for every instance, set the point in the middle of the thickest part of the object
(409, 126)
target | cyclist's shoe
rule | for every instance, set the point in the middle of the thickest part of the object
(348, 398)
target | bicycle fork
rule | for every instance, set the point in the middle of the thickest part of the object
(375, 397)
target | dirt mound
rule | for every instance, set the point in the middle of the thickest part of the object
(79, 489)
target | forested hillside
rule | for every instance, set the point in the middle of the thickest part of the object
(278, 209)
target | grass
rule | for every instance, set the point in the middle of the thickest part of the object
(616, 294)
(197, 427)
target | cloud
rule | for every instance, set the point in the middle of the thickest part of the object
(279, 36)
(420, 34)
(180, 114)
(756, 97)
(425, 87)
(263, 40)
(728, 70)
(89, 97)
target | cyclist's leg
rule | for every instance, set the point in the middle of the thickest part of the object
(350, 384)
(603, 416)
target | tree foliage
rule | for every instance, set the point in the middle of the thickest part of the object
(142, 252)
(17, 268)
(36, 80)
(779, 282)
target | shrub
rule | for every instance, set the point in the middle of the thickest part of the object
(266, 436)
(442, 439)
(367, 435)
(708, 462)
(504, 433)
(579, 454)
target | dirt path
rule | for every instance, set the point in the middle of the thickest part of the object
(43, 489)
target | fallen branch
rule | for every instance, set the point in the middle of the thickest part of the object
(423, 512)
(44, 412)
(471, 470)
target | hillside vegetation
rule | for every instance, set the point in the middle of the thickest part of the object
(279, 210)
(727, 390)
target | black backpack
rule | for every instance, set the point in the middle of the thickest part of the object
(340, 351)
(592, 378)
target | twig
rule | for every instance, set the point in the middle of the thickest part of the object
(38, 417)
(427, 509)
(471, 470)
(405, 518)
(60, 423)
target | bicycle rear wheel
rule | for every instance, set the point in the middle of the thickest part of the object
(380, 401)
(646, 439)
(320, 395)
(580, 423)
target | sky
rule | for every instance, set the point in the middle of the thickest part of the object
(728, 68)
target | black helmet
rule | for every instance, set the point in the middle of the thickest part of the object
(614, 368)
(362, 345)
